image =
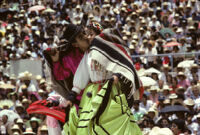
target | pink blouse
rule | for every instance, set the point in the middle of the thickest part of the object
(70, 64)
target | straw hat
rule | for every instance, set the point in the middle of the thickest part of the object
(158, 9)
(135, 37)
(160, 131)
(124, 9)
(152, 110)
(29, 131)
(154, 17)
(42, 81)
(166, 101)
(15, 127)
(165, 4)
(38, 77)
(13, 77)
(189, 102)
(131, 47)
(23, 86)
(91, 16)
(191, 27)
(125, 38)
(173, 96)
(128, 33)
(26, 76)
(166, 87)
(194, 66)
(198, 116)
(78, 7)
(145, 41)
(143, 21)
(133, 42)
(34, 119)
(19, 105)
(44, 128)
(181, 74)
(116, 10)
(25, 100)
(154, 88)
(166, 66)
(180, 88)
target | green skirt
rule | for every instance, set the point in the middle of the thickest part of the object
(117, 118)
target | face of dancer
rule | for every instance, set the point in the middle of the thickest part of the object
(82, 41)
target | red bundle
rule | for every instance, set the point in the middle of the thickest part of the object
(40, 107)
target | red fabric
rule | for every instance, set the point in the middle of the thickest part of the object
(137, 66)
(166, 60)
(141, 90)
(39, 107)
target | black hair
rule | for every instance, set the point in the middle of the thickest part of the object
(180, 124)
(144, 96)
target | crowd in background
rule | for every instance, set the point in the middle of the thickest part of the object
(148, 27)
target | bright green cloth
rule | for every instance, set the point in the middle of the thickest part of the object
(117, 118)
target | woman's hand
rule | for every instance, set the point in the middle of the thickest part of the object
(68, 103)
(116, 79)
(55, 55)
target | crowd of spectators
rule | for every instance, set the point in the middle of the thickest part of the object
(148, 27)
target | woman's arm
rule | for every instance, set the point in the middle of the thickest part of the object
(81, 77)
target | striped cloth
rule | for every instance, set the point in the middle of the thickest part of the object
(115, 58)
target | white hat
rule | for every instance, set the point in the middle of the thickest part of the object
(16, 133)
(131, 47)
(91, 16)
(191, 27)
(154, 88)
(143, 21)
(176, 15)
(158, 8)
(19, 121)
(34, 119)
(198, 115)
(25, 100)
(29, 131)
(78, 7)
(128, 33)
(123, 9)
(194, 66)
(135, 36)
(133, 41)
(125, 38)
(12, 77)
(189, 102)
(154, 16)
(179, 30)
(26, 76)
(40, 91)
(152, 110)
(116, 10)
(166, 101)
(181, 74)
(173, 96)
(165, 3)
(166, 87)
(160, 131)
(42, 81)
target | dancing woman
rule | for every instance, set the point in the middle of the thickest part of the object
(107, 75)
